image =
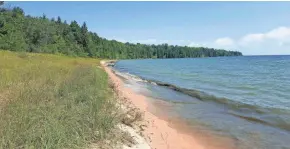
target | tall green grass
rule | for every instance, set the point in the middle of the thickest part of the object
(52, 101)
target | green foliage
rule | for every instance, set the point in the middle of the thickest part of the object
(42, 35)
(18, 10)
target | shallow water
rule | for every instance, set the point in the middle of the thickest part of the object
(246, 98)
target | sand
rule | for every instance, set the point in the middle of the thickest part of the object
(158, 134)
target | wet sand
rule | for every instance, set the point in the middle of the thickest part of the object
(162, 133)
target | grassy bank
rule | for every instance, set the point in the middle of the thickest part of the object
(52, 101)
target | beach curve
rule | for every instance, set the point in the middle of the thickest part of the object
(158, 134)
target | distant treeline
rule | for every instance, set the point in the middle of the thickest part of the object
(20, 32)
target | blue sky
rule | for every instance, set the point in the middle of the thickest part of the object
(254, 28)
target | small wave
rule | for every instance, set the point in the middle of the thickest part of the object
(249, 118)
(278, 122)
(129, 76)
(241, 109)
(238, 107)
(135, 78)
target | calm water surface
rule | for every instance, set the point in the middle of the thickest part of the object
(246, 98)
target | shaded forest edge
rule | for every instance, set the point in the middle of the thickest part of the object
(20, 32)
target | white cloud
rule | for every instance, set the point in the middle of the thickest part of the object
(250, 38)
(279, 33)
(226, 41)
(275, 41)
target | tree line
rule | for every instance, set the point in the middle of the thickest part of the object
(20, 32)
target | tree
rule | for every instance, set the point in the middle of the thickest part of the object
(74, 26)
(58, 20)
(18, 10)
(43, 16)
(84, 28)
(3, 31)
(84, 36)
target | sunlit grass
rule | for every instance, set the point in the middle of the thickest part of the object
(53, 101)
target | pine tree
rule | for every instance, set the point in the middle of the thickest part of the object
(58, 20)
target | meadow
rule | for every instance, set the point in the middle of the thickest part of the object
(53, 101)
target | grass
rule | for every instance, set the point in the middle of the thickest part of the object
(52, 101)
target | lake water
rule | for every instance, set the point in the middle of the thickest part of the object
(246, 98)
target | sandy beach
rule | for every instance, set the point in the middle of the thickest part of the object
(159, 134)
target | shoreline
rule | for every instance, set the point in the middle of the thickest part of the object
(158, 134)
(161, 133)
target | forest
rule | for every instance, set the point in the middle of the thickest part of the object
(20, 32)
